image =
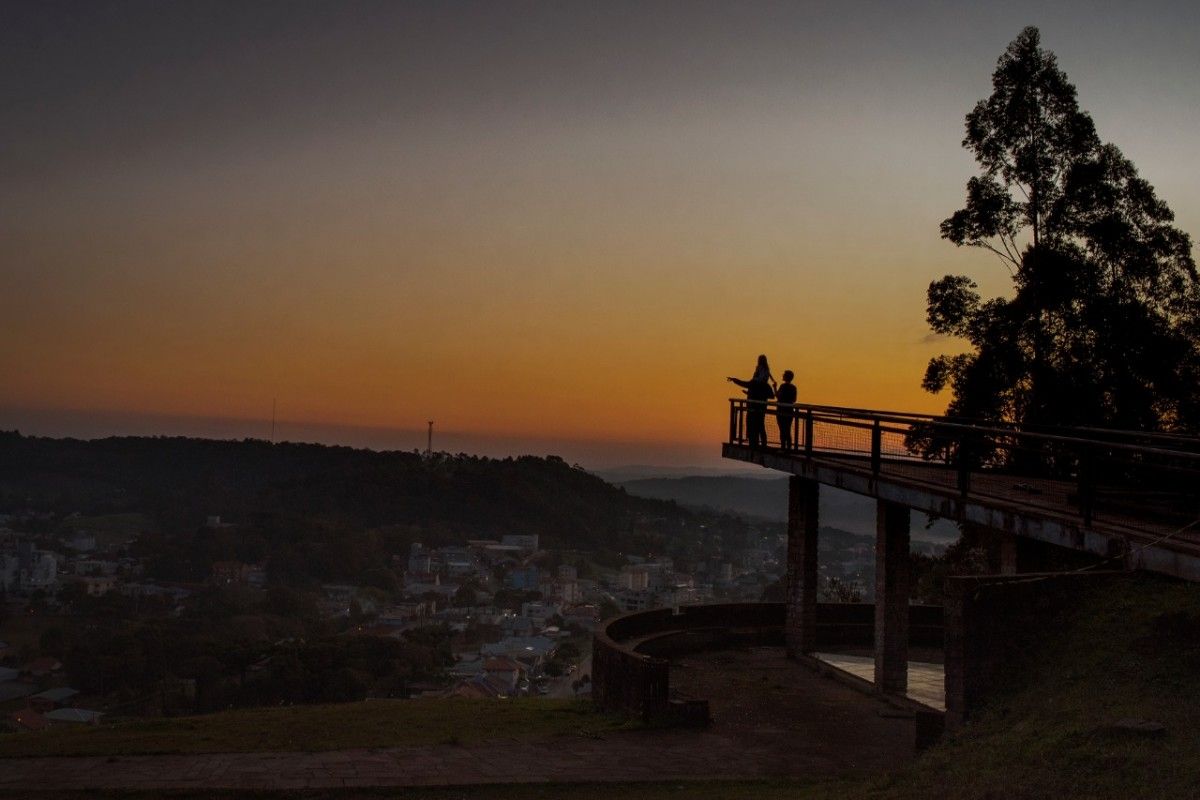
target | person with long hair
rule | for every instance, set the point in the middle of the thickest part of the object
(762, 372)
(759, 391)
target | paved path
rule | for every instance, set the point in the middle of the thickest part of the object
(771, 718)
(926, 682)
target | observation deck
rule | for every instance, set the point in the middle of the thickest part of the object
(1130, 497)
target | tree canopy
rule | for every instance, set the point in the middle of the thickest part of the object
(1102, 325)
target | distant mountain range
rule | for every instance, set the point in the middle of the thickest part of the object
(766, 498)
(636, 472)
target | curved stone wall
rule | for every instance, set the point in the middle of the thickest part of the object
(630, 666)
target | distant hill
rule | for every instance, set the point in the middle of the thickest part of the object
(636, 472)
(767, 499)
(755, 497)
(180, 481)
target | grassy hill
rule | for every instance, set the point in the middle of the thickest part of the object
(755, 497)
(1125, 652)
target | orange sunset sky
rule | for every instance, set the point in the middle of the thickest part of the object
(549, 227)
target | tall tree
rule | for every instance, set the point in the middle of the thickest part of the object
(1103, 325)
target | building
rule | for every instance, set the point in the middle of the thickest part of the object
(636, 600)
(456, 562)
(420, 560)
(73, 716)
(41, 667)
(10, 573)
(525, 578)
(540, 612)
(635, 577)
(230, 572)
(507, 672)
(81, 542)
(527, 543)
(496, 553)
(46, 701)
(566, 591)
(467, 667)
(96, 585)
(400, 614)
(94, 566)
(479, 687)
(416, 586)
(28, 569)
(529, 650)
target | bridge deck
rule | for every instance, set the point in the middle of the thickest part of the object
(1138, 512)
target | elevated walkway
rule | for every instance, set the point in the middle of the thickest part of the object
(1132, 497)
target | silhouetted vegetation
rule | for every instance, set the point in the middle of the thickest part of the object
(231, 646)
(1102, 329)
(315, 513)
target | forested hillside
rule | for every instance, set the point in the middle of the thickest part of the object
(334, 509)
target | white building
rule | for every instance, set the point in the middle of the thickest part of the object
(635, 577)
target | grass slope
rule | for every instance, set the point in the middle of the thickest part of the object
(1125, 651)
(373, 723)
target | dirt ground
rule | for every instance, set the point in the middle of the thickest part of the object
(761, 699)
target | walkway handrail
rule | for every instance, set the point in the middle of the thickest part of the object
(1160, 470)
(985, 427)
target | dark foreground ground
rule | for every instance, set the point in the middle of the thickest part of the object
(772, 719)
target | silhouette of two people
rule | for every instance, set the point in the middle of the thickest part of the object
(760, 390)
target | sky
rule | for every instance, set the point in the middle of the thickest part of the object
(549, 227)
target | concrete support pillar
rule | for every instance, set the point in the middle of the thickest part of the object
(891, 597)
(801, 626)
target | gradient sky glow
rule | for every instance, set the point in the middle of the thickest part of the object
(532, 222)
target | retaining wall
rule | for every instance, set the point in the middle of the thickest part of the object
(994, 622)
(630, 667)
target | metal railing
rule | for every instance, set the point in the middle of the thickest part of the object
(1083, 471)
